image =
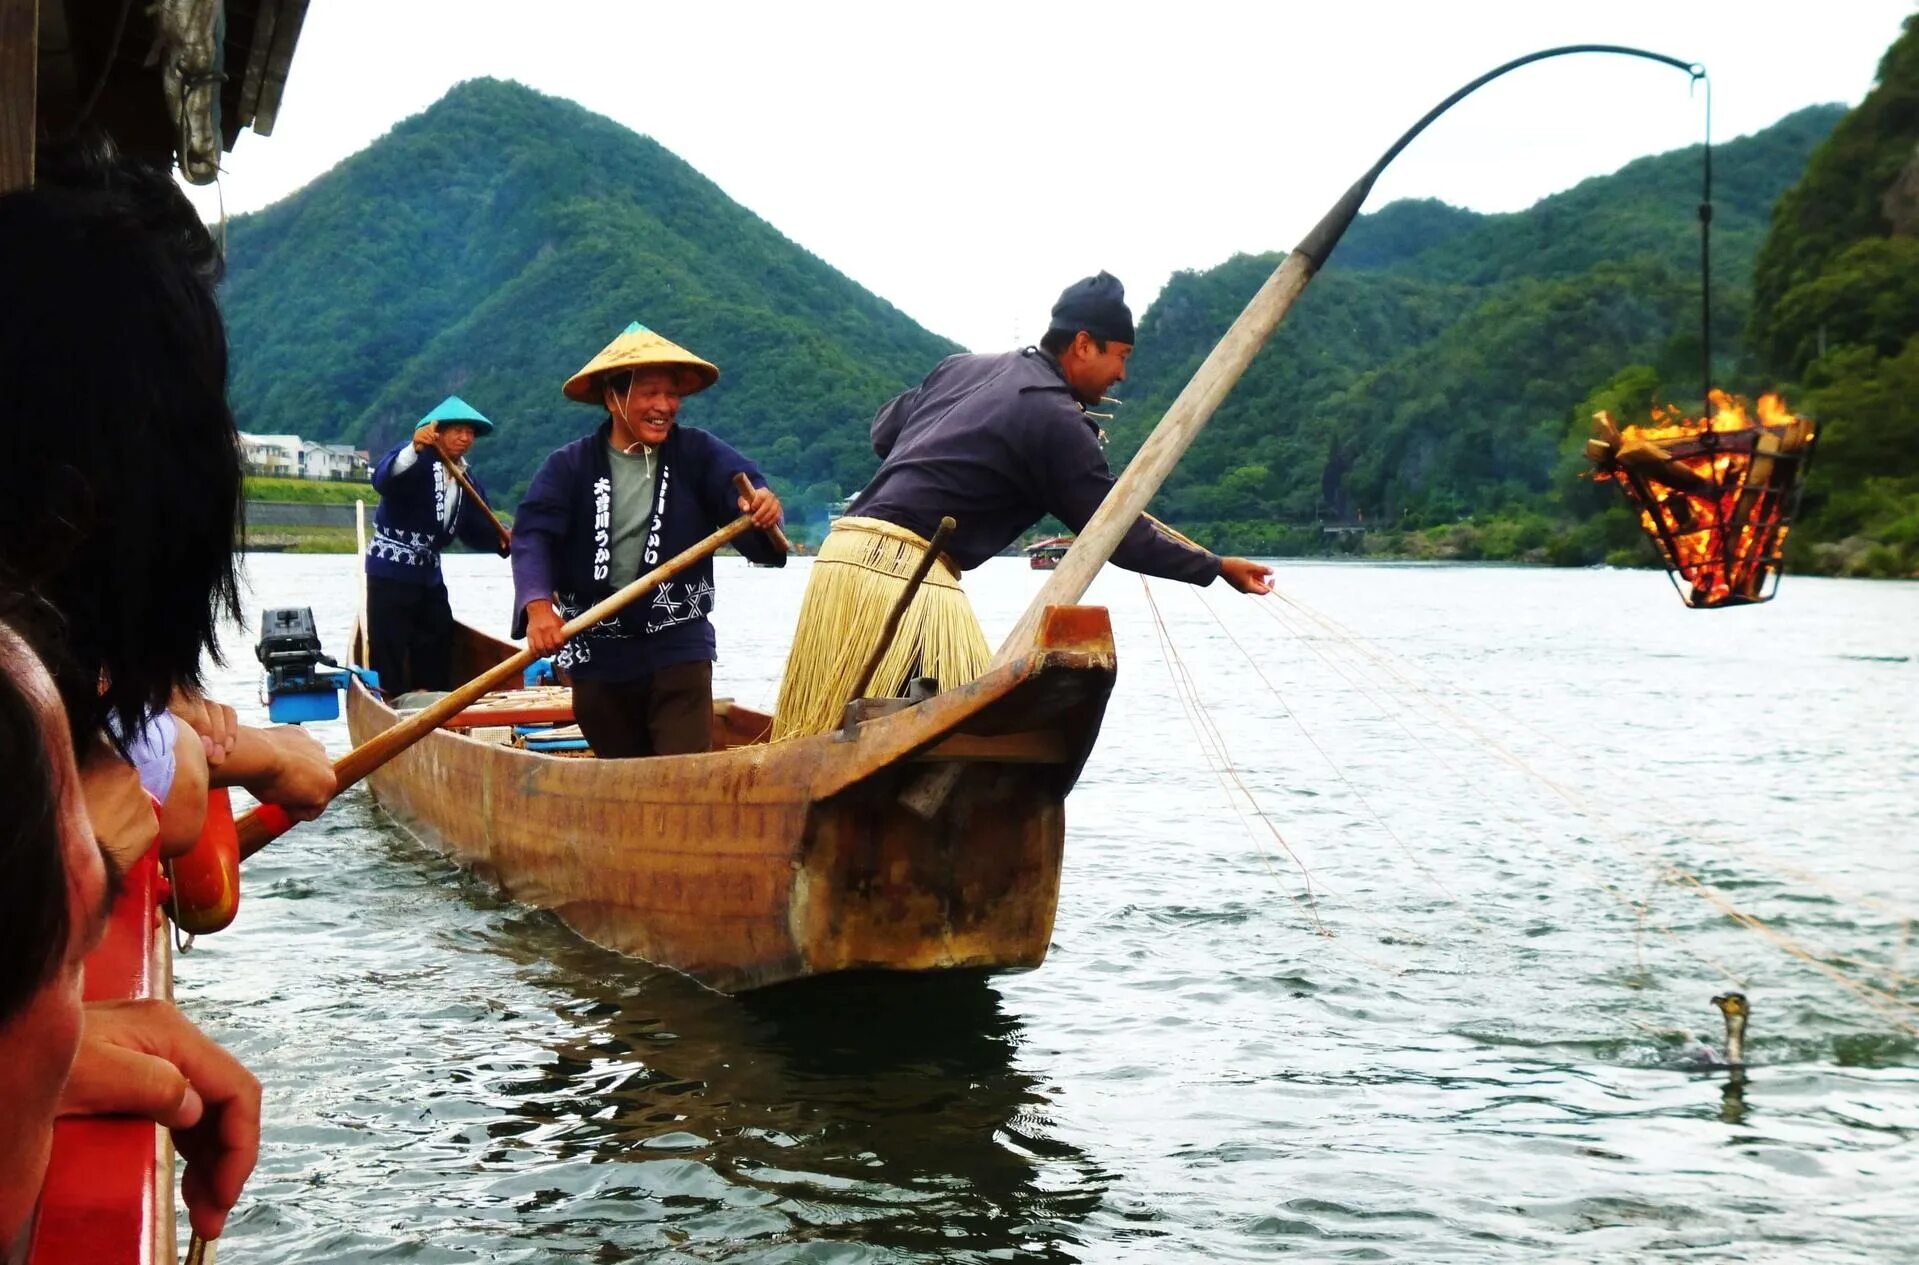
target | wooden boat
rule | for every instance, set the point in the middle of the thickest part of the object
(763, 862)
(1044, 555)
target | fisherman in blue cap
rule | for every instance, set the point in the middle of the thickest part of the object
(422, 510)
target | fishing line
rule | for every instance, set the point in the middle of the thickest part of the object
(1210, 742)
(1579, 863)
(1767, 860)
(1599, 815)
(1292, 714)
(1677, 874)
(1211, 739)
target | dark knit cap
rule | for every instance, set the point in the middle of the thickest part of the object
(1096, 305)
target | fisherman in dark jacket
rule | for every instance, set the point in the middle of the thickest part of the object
(997, 442)
(604, 510)
(422, 511)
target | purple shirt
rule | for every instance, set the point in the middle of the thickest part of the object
(998, 442)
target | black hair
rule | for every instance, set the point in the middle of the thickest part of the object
(34, 922)
(120, 478)
(1056, 341)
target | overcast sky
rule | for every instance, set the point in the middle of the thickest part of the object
(966, 160)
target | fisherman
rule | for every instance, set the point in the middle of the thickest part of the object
(605, 509)
(422, 510)
(996, 442)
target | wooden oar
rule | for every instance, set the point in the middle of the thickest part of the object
(893, 617)
(466, 485)
(363, 631)
(268, 822)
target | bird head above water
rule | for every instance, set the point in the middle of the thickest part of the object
(1736, 1010)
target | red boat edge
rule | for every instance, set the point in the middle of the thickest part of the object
(108, 1197)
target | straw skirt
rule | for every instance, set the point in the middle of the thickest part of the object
(861, 570)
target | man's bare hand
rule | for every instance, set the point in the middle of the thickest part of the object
(1247, 576)
(143, 1058)
(301, 779)
(428, 436)
(764, 507)
(543, 627)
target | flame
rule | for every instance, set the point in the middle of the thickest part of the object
(1714, 494)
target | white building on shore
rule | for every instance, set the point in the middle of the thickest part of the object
(291, 457)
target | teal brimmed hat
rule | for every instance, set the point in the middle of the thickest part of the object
(455, 409)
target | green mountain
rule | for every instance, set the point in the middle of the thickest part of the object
(1440, 366)
(493, 244)
(1837, 322)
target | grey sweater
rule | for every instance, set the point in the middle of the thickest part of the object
(998, 441)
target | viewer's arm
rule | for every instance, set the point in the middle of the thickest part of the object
(282, 765)
(184, 810)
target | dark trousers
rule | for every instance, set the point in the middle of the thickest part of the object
(667, 713)
(412, 635)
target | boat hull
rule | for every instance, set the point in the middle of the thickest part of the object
(759, 863)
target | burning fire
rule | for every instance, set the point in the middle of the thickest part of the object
(1716, 495)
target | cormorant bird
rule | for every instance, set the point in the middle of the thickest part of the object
(1703, 1057)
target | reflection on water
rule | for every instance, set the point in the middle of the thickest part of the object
(1437, 1011)
(877, 1110)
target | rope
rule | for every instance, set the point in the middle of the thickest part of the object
(1876, 998)
(1638, 910)
(1213, 743)
(1292, 714)
(1776, 865)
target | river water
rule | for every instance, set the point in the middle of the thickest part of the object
(1387, 910)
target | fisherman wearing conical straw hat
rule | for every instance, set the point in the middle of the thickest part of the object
(422, 511)
(604, 510)
(996, 442)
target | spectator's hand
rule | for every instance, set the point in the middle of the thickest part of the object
(428, 436)
(143, 1058)
(217, 724)
(124, 817)
(764, 507)
(1246, 575)
(543, 625)
(301, 778)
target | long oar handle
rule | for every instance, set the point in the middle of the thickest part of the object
(267, 822)
(466, 484)
(745, 488)
(905, 599)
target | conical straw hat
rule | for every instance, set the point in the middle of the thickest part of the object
(455, 409)
(638, 347)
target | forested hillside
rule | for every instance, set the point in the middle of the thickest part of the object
(493, 244)
(1430, 375)
(1836, 323)
(1434, 384)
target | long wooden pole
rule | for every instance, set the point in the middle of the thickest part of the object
(893, 617)
(268, 822)
(363, 628)
(1194, 407)
(466, 485)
